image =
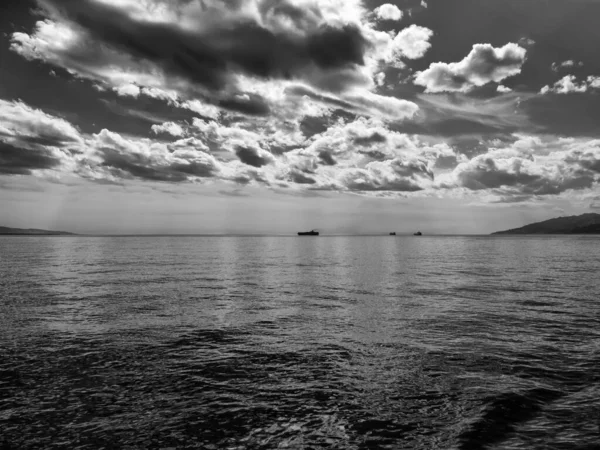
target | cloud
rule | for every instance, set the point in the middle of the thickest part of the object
(392, 175)
(20, 121)
(503, 89)
(253, 156)
(568, 64)
(216, 42)
(520, 171)
(169, 128)
(385, 107)
(459, 114)
(31, 140)
(301, 178)
(569, 85)
(207, 55)
(111, 156)
(412, 42)
(363, 102)
(363, 155)
(128, 90)
(482, 65)
(388, 11)
(21, 160)
(219, 58)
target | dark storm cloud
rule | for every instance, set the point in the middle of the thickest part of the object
(21, 161)
(207, 58)
(253, 156)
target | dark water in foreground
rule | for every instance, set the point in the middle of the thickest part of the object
(329, 342)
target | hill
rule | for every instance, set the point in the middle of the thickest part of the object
(32, 232)
(584, 224)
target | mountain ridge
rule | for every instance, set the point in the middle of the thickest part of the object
(32, 232)
(588, 223)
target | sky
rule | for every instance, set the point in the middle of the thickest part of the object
(275, 116)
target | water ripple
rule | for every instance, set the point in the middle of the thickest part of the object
(265, 343)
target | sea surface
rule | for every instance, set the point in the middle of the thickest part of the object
(381, 342)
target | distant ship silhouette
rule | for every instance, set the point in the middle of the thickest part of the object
(308, 233)
(393, 233)
(418, 233)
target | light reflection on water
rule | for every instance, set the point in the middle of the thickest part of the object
(329, 342)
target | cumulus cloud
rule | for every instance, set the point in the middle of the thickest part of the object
(171, 128)
(362, 156)
(384, 176)
(503, 89)
(366, 156)
(412, 42)
(569, 85)
(518, 171)
(31, 140)
(22, 122)
(482, 65)
(128, 90)
(568, 64)
(111, 156)
(388, 11)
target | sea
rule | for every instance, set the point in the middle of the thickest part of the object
(329, 342)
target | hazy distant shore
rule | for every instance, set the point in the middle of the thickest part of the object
(6, 231)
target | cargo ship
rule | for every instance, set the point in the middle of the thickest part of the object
(308, 233)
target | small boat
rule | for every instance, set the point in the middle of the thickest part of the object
(393, 233)
(418, 233)
(308, 233)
